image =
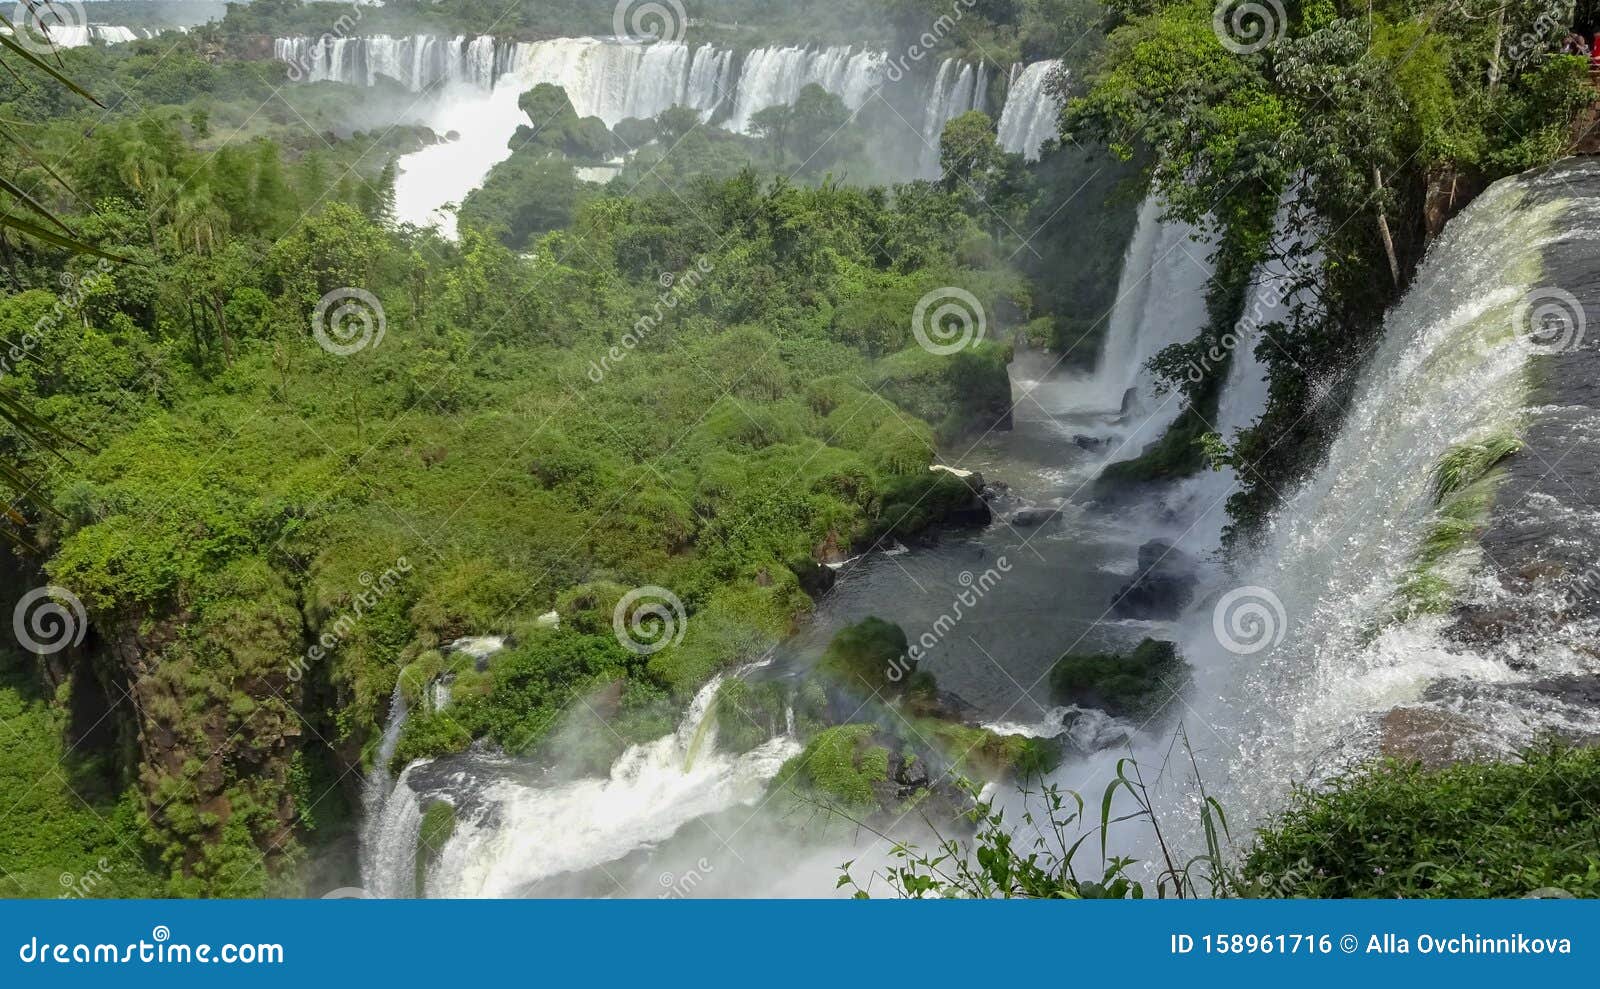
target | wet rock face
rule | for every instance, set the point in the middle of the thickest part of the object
(1434, 738)
(1536, 608)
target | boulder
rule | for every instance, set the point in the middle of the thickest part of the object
(1033, 515)
(1162, 586)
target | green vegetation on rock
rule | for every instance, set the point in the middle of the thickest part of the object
(1130, 685)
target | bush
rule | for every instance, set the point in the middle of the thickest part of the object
(1470, 830)
(862, 656)
(1130, 685)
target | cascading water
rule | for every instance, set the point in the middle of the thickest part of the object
(381, 801)
(81, 35)
(1305, 696)
(1029, 116)
(775, 76)
(1160, 301)
(512, 833)
(473, 85)
(957, 88)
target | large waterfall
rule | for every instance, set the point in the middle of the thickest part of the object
(958, 87)
(775, 76)
(477, 81)
(612, 79)
(1308, 689)
(1029, 116)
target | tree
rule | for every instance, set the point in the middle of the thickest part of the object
(771, 127)
(674, 122)
(969, 153)
(818, 125)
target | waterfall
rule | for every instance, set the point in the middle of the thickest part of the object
(389, 871)
(957, 88)
(382, 801)
(1451, 367)
(80, 35)
(1029, 116)
(514, 832)
(775, 76)
(1160, 301)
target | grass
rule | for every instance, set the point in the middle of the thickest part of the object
(1471, 830)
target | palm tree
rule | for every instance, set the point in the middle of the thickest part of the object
(27, 216)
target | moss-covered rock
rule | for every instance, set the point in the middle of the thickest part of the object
(868, 657)
(1124, 685)
(438, 824)
(974, 751)
(844, 766)
(916, 502)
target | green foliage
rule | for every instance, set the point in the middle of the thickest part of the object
(438, 824)
(1464, 483)
(1470, 830)
(73, 831)
(1468, 463)
(840, 766)
(868, 657)
(1124, 685)
(749, 713)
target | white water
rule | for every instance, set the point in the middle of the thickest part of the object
(81, 35)
(470, 87)
(1450, 368)
(1029, 117)
(775, 76)
(386, 807)
(602, 78)
(1160, 301)
(515, 833)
